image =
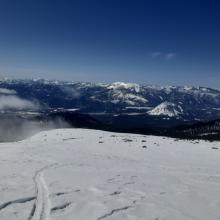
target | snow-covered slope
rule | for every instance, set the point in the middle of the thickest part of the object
(86, 174)
(167, 109)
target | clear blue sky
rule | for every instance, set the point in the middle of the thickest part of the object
(151, 41)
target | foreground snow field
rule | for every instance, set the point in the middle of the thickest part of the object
(93, 175)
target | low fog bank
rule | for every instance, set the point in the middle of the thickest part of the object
(9, 100)
(13, 128)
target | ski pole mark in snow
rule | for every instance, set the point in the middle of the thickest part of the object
(114, 211)
(63, 206)
(16, 201)
(28, 199)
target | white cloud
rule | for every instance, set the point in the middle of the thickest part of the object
(71, 92)
(156, 54)
(170, 56)
(14, 102)
(163, 55)
(7, 91)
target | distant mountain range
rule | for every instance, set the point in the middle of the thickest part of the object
(180, 102)
(123, 107)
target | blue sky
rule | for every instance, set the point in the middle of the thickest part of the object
(151, 41)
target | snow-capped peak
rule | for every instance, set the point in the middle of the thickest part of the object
(122, 85)
(167, 109)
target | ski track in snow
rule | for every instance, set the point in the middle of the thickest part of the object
(42, 206)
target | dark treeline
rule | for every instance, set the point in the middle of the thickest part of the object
(15, 127)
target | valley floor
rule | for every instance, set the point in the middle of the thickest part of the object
(93, 175)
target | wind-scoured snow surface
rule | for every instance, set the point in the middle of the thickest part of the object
(86, 174)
